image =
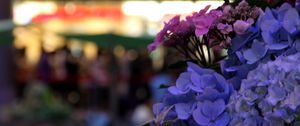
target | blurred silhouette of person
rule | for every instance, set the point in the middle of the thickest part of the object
(72, 85)
(101, 79)
(64, 75)
(140, 75)
(43, 67)
(22, 74)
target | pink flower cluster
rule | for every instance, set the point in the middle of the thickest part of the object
(217, 27)
(173, 32)
(203, 21)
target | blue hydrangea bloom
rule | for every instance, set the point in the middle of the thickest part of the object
(291, 21)
(211, 113)
(270, 96)
(198, 97)
(201, 81)
(257, 51)
(275, 33)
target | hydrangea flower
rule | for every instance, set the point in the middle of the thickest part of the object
(257, 51)
(267, 96)
(199, 96)
(224, 28)
(211, 113)
(291, 21)
(240, 26)
(275, 33)
(204, 22)
(270, 95)
(201, 80)
(233, 22)
(160, 37)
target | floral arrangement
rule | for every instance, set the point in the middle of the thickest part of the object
(256, 82)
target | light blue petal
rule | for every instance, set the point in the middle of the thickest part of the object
(268, 15)
(278, 46)
(183, 81)
(291, 21)
(175, 91)
(270, 25)
(267, 37)
(157, 108)
(223, 120)
(213, 109)
(256, 52)
(196, 68)
(208, 94)
(297, 44)
(200, 118)
(282, 11)
(196, 82)
(183, 110)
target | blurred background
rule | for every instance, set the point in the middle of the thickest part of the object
(84, 62)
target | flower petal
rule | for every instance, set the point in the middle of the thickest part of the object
(200, 118)
(195, 68)
(213, 109)
(157, 108)
(255, 53)
(270, 26)
(183, 110)
(175, 91)
(291, 21)
(208, 94)
(183, 81)
(223, 120)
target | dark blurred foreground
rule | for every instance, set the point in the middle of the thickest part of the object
(70, 90)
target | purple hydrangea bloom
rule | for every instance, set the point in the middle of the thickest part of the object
(270, 94)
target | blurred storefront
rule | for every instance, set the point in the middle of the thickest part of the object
(86, 60)
(131, 24)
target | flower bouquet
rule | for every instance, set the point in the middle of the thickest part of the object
(243, 67)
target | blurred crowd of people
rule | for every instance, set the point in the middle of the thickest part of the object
(112, 89)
